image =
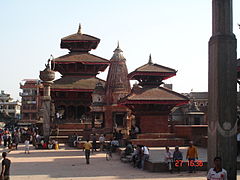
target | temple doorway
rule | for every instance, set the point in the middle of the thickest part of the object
(119, 119)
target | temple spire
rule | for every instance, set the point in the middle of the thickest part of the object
(117, 84)
(79, 29)
(118, 45)
(118, 54)
(118, 49)
(150, 59)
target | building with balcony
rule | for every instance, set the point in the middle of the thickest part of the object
(31, 101)
(8, 106)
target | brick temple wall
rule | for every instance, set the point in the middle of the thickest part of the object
(154, 123)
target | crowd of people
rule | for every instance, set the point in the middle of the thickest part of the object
(138, 154)
(12, 137)
(175, 159)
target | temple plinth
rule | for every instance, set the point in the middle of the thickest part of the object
(222, 88)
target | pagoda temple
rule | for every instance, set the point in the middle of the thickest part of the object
(151, 104)
(72, 92)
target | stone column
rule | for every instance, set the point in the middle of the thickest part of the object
(47, 76)
(46, 110)
(222, 88)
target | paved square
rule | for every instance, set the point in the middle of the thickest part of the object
(68, 163)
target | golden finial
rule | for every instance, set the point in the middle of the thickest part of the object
(79, 29)
(118, 45)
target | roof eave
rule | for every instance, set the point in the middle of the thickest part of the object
(164, 102)
(166, 75)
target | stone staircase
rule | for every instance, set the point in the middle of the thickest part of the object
(158, 140)
(84, 130)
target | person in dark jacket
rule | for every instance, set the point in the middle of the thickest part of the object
(5, 173)
(177, 158)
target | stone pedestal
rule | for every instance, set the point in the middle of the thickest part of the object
(154, 123)
(222, 89)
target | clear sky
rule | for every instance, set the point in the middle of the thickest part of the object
(175, 32)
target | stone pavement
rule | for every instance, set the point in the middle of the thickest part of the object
(69, 164)
(157, 153)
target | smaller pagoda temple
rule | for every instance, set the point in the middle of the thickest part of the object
(151, 104)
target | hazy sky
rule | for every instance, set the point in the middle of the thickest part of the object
(175, 32)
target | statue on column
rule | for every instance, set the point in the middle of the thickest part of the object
(47, 76)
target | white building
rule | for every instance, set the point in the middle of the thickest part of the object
(8, 106)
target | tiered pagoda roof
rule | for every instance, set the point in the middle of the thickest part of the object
(78, 68)
(79, 42)
(148, 91)
(84, 58)
(152, 69)
(159, 95)
(75, 83)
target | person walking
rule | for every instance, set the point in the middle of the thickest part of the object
(94, 143)
(177, 158)
(192, 155)
(16, 139)
(27, 146)
(217, 172)
(6, 163)
(9, 140)
(119, 137)
(87, 147)
(5, 139)
(145, 155)
(101, 141)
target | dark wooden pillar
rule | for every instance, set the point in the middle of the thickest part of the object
(222, 88)
(66, 114)
(76, 114)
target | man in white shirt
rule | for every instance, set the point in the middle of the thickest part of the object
(217, 173)
(26, 146)
(101, 141)
(168, 158)
(145, 152)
